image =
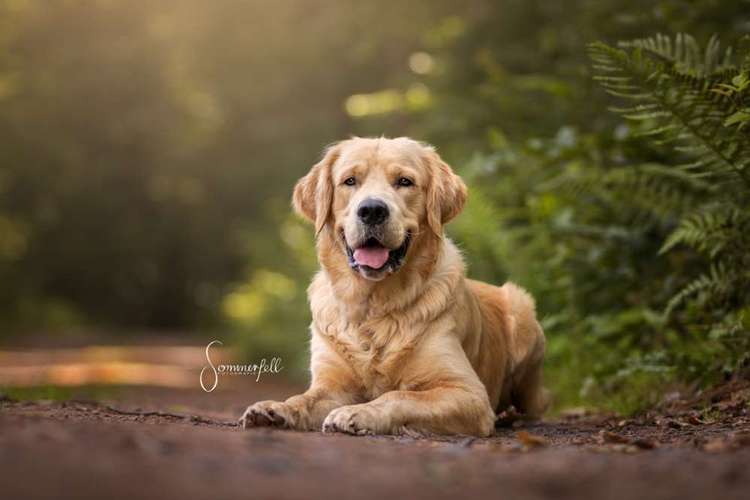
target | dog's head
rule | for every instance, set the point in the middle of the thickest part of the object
(377, 198)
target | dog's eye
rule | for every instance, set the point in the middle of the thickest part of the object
(404, 182)
(350, 181)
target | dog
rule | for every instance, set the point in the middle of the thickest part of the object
(402, 342)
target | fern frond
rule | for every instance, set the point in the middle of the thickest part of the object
(651, 190)
(710, 286)
(686, 53)
(696, 102)
(672, 90)
(709, 230)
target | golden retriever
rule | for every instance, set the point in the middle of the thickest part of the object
(402, 341)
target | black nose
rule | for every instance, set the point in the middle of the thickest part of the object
(372, 211)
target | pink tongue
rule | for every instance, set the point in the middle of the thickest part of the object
(374, 257)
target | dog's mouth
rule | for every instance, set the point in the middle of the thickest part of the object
(372, 257)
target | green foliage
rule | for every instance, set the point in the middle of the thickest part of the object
(689, 100)
(674, 93)
(268, 312)
(148, 148)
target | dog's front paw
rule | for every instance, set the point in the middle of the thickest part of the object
(360, 420)
(268, 413)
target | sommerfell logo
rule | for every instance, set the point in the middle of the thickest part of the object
(254, 369)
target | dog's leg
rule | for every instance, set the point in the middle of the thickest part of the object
(333, 385)
(527, 347)
(527, 392)
(442, 410)
(530, 396)
(303, 412)
(443, 395)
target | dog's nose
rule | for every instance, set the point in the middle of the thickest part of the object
(372, 211)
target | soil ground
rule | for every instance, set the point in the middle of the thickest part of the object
(170, 443)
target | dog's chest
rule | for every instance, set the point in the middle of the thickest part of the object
(376, 352)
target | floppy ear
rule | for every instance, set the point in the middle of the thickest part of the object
(313, 194)
(446, 193)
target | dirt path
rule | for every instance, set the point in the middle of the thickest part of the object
(127, 450)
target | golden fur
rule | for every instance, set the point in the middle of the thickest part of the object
(422, 349)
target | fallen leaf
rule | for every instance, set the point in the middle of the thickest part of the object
(673, 424)
(623, 443)
(611, 437)
(695, 420)
(530, 440)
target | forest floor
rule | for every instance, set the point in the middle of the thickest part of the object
(169, 443)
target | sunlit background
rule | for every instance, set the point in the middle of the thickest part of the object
(149, 150)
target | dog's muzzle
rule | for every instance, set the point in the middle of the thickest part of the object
(373, 257)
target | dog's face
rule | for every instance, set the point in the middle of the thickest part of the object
(378, 196)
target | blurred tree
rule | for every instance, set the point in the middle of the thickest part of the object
(149, 150)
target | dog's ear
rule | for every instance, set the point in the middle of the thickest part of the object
(313, 194)
(446, 193)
